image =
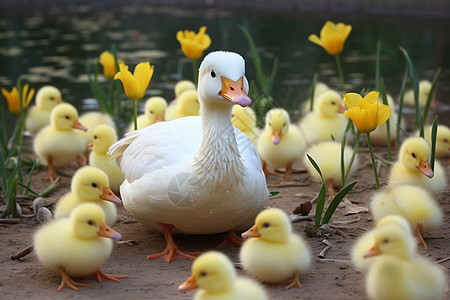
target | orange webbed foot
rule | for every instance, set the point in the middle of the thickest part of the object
(231, 240)
(69, 282)
(100, 276)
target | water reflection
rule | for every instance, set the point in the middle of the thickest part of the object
(54, 47)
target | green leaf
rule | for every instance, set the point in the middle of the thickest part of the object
(400, 108)
(343, 143)
(313, 91)
(321, 197)
(335, 202)
(388, 123)
(377, 66)
(433, 142)
(430, 95)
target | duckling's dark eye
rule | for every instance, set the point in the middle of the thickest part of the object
(284, 124)
(51, 98)
(213, 74)
(413, 155)
(333, 103)
(266, 225)
(151, 112)
(95, 137)
(94, 185)
(67, 117)
(445, 141)
(385, 241)
(270, 124)
(90, 222)
(203, 274)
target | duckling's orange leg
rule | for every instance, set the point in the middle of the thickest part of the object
(231, 239)
(419, 235)
(81, 160)
(330, 188)
(100, 276)
(172, 251)
(287, 174)
(295, 282)
(67, 281)
(52, 175)
(266, 171)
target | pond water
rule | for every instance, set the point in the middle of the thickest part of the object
(53, 47)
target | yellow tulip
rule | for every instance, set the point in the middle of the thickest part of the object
(135, 84)
(193, 44)
(109, 64)
(332, 37)
(366, 113)
(13, 98)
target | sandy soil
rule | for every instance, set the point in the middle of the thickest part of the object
(333, 277)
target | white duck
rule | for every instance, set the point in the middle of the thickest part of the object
(197, 175)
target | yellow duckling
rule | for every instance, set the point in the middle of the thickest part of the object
(244, 118)
(103, 136)
(186, 105)
(379, 135)
(38, 116)
(280, 143)
(326, 120)
(412, 167)
(442, 140)
(77, 246)
(327, 155)
(366, 241)
(318, 89)
(413, 203)
(91, 120)
(215, 276)
(154, 111)
(398, 272)
(57, 144)
(272, 253)
(89, 184)
(424, 91)
(184, 85)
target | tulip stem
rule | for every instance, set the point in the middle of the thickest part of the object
(135, 114)
(194, 68)
(341, 74)
(373, 159)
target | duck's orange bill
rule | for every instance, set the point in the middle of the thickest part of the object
(108, 232)
(108, 195)
(374, 251)
(59, 101)
(341, 109)
(189, 284)
(424, 167)
(78, 125)
(276, 136)
(159, 118)
(234, 91)
(252, 232)
(91, 144)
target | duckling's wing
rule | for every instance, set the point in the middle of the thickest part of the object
(161, 146)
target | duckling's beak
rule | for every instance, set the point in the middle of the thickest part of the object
(108, 195)
(189, 284)
(108, 232)
(341, 109)
(91, 144)
(276, 136)
(59, 101)
(374, 251)
(159, 118)
(234, 91)
(252, 232)
(78, 125)
(424, 167)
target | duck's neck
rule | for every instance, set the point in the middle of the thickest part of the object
(218, 162)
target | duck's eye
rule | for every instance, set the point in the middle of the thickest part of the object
(284, 124)
(94, 185)
(413, 155)
(385, 241)
(67, 117)
(95, 137)
(51, 98)
(333, 103)
(213, 74)
(90, 222)
(266, 225)
(151, 112)
(445, 141)
(203, 274)
(270, 124)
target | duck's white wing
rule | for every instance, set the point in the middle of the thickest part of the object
(161, 146)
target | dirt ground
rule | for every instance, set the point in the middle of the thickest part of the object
(333, 277)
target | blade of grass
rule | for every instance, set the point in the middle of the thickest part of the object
(388, 122)
(28, 189)
(377, 66)
(313, 91)
(415, 80)
(433, 142)
(321, 197)
(335, 202)
(400, 108)
(430, 95)
(343, 143)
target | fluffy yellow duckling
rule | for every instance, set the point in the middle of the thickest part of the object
(379, 135)
(412, 167)
(273, 253)
(325, 120)
(280, 143)
(442, 140)
(413, 203)
(215, 276)
(244, 118)
(366, 241)
(186, 105)
(327, 155)
(103, 136)
(89, 184)
(318, 89)
(398, 272)
(77, 246)
(38, 116)
(91, 120)
(57, 144)
(154, 111)
(183, 85)
(424, 91)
